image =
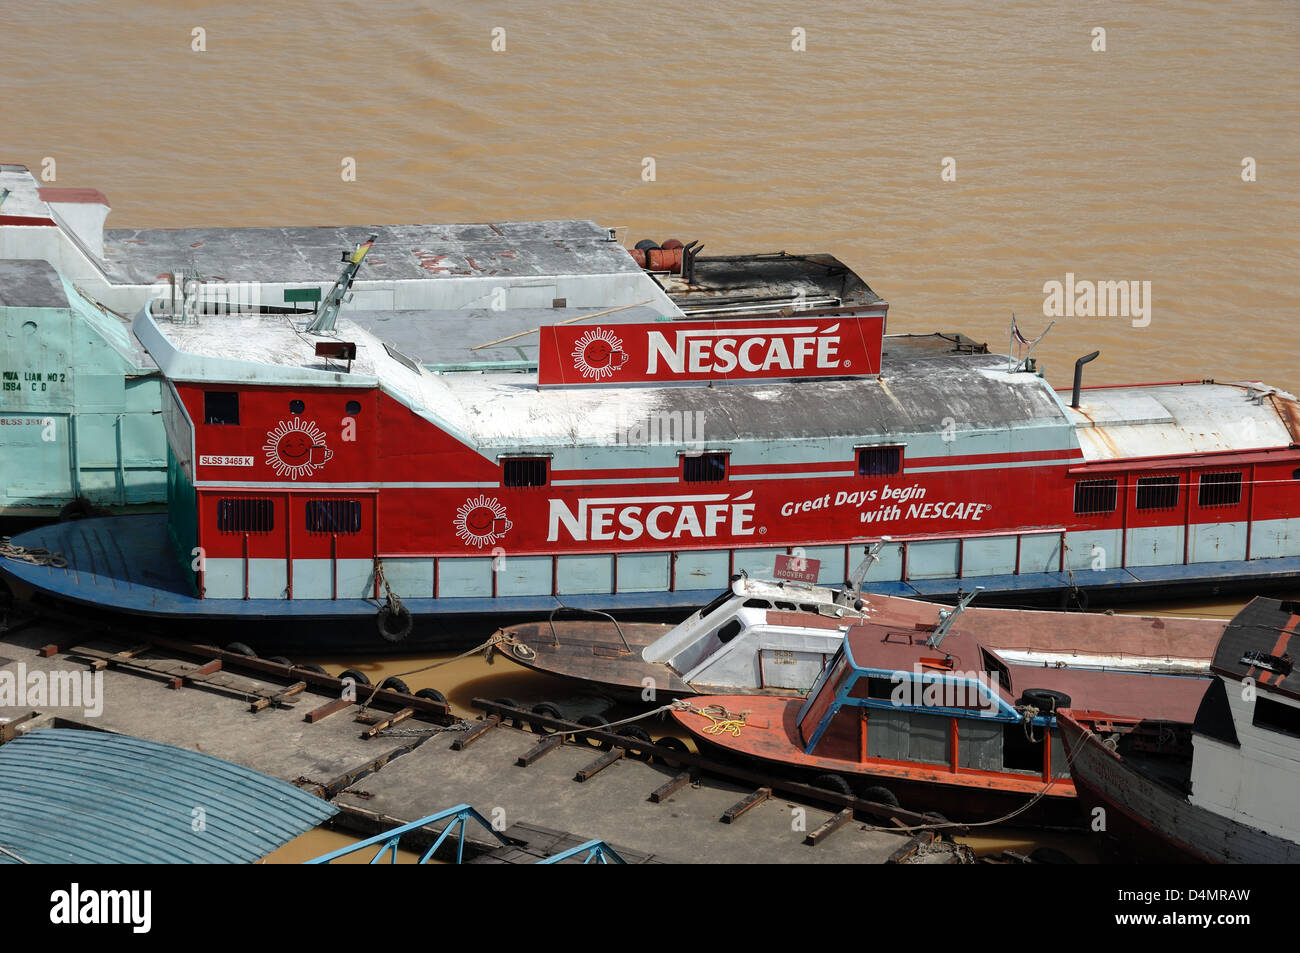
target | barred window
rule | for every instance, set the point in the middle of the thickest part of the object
(1157, 493)
(524, 471)
(245, 516)
(334, 516)
(221, 407)
(705, 468)
(879, 461)
(1220, 489)
(1095, 496)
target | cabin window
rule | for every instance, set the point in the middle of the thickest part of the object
(723, 598)
(705, 468)
(1295, 474)
(341, 517)
(879, 461)
(1019, 753)
(1276, 716)
(729, 631)
(296, 407)
(876, 687)
(1157, 493)
(221, 407)
(245, 516)
(353, 408)
(757, 604)
(1220, 489)
(524, 471)
(1095, 496)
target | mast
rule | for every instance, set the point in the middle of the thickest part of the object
(948, 616)
(853, 584)
(329, 309)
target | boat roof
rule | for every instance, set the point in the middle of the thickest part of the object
(86, 797)
(401, 252)
(928, 383)
(928, 380)
(33, 283)
(1114, 423)
(1167, 697)
(30, 284)
(1261, 643)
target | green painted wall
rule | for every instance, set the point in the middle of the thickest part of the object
(182, 518)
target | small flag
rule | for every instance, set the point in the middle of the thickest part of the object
(360, 253)
(1015, 332)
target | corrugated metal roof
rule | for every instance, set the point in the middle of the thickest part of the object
(84, 797)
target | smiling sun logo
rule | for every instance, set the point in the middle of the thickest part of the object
(598, 354)
(481, 521)
(296, 449)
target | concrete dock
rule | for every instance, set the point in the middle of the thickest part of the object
(413, 769)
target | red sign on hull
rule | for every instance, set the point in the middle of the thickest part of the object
(811, 346)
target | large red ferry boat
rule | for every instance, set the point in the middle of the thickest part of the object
(412, 464)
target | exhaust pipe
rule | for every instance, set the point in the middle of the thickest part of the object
(1078, 376)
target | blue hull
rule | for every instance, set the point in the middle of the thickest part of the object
(124, 566)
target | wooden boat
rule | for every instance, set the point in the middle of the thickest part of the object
(1220, 788)
(776, 637)
(936, 724)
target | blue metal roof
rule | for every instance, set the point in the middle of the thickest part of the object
(85, 797)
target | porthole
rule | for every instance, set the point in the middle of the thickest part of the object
(353, 408)
(296, 407)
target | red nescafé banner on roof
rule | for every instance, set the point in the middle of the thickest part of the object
(732, 350)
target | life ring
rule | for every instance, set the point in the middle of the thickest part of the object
(394, 625)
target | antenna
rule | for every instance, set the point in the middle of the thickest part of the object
(329, 309)
(1016, 337)
(854, 583)
(948, 616)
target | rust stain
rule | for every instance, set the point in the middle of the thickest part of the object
(1289, 412)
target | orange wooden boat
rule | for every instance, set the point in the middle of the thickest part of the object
(935, 724)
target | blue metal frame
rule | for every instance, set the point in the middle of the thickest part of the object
(597, 852)
(460, 816)
(1006, 712)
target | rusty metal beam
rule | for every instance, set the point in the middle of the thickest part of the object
(600, 764)
(475, 733)
(543, 747)
(667, 790)
(324, 711)
(831, 825)
(748, 802)
(379, 726)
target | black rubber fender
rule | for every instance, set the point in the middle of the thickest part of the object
(394, 626)
(1044, 699)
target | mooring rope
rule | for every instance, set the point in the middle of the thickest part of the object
(35, 555)
(499, 637)
(723, 721)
